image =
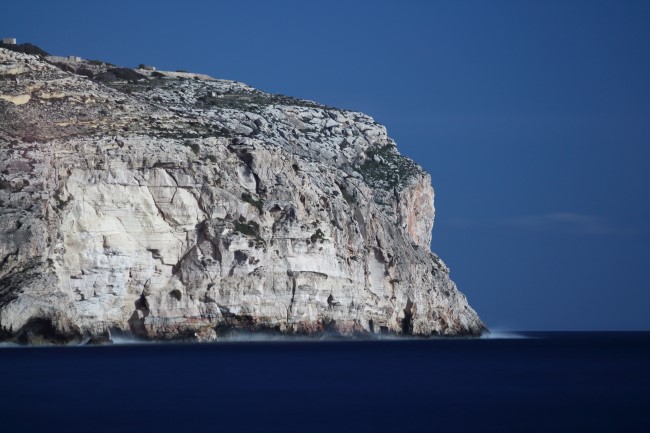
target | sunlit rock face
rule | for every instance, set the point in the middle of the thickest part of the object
(175, 205)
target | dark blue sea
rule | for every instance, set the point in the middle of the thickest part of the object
(549, 382)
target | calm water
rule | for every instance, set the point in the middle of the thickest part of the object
(557, 382)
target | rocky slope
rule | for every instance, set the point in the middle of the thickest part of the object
(176, 205)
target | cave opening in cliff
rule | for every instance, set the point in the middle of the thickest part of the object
(407, 321)
(41, 330)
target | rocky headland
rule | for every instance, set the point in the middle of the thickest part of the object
(173, 205)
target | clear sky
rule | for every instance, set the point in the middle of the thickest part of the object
(533, 118)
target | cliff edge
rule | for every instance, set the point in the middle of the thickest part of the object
(174, 205)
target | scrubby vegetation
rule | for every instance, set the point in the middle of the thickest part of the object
(68, 68)
(319, 235)
(26, 48)
(248, 228)
(385, 168)
(99, 63)
(259, 204)
(248, 100)
(114, 74)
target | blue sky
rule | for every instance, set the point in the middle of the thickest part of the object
(533, 119)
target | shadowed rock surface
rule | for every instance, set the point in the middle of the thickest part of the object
(175, 205)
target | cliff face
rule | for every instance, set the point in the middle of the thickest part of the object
(175, 205)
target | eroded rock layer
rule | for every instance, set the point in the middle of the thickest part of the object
(175, 205)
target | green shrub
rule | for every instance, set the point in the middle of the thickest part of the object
(259, 204)
(248, 228)
(319, 235)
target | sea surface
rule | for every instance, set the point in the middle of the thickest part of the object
(545, 382)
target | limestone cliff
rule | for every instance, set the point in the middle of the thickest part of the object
(176, 205)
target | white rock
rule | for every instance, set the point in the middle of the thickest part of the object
(152, 212)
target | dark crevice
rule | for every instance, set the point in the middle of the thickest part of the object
(293, 295)
(136, 321)
(246, 157)
(407, 321)
(331, 302)
(6, 258)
